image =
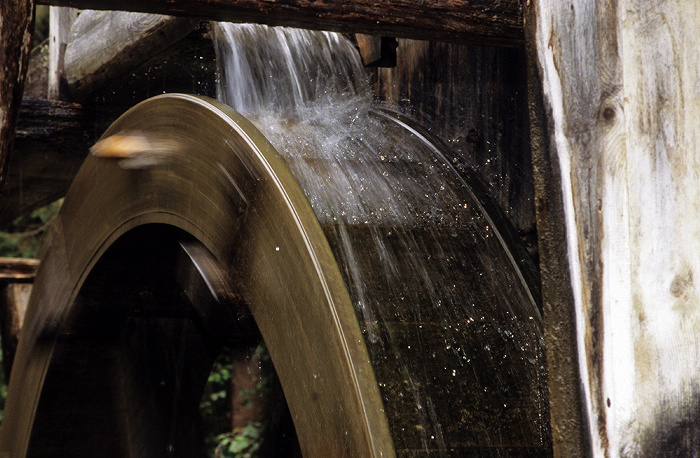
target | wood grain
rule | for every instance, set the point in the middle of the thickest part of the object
(619, 83)
(484, 22)
(52, 140)
(16, 23)
(105, 45)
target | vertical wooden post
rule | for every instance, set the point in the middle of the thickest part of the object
(569, 431)
(622, 104)
(16, 24)
(60, 21)
(16, 276)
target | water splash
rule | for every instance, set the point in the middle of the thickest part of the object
(276, 69)
(454, 336)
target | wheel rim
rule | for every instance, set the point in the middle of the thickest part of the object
(228, 189)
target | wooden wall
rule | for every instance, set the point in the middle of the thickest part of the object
(474, 98)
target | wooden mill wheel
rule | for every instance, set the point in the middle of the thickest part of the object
(148, 266)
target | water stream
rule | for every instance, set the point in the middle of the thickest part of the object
(454, 334)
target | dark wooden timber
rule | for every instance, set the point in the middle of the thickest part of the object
(481, 22)
(474, 98)
(16, 24)
(53, 137)
(51, 142)
(569, 436)
(18, 270)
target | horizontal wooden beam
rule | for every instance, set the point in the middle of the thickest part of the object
(488, 22)
(17, 270)
(51, 143)
(106, 45)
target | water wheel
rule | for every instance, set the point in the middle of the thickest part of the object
(149, 269)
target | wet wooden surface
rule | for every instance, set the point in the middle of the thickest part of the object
(475, 99)
(14, 298)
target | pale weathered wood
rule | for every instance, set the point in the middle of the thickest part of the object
(484, 22)
(60, 22)
(623, 103)
(105, 45)
(16, 23)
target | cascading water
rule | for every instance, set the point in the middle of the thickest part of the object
(455, 338)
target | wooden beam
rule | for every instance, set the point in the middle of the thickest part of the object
(60, 22)
(17, 270)
(51, 143)
(569, 429)
(16, 24)
(619, 84)
(484, 22)
(105, 45)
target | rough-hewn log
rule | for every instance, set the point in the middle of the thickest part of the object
(622, 101)
(16, 23)
(484, 22)
(51, 142)
(105, 45)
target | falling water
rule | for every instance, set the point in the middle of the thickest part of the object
(452, 330)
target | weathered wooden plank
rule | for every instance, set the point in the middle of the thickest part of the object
(16, 276)
(620, 88)
(377, 51)
(16, 23)
(105, 45)
(60, 22)
(569, 431)
(484, 22)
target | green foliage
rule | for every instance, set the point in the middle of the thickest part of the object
(25, 234)
(23, 239)
(41, 24)
(241, 443)
(215, 408)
